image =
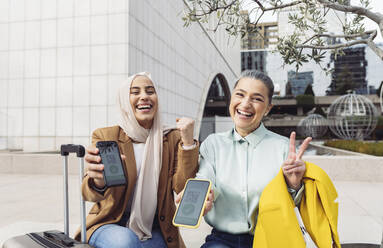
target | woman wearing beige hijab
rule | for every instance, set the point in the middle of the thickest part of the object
(157, 162)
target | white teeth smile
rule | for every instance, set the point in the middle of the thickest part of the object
(244, 113)
(147, 106)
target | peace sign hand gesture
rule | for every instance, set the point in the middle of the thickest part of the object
(294, 168)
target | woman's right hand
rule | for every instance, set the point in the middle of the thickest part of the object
(94, 167)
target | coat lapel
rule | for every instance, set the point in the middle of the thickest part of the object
(126, 148)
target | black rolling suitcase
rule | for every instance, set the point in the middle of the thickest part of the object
(57, 239)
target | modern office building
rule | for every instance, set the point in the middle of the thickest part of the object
(253, 60)
(256, 42)
(272, 64)
(262, 36)
(298, 82)
(365, 68)
(62, 61)
(350, 71)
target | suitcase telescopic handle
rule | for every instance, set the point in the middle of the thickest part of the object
(80, 152)
(70, 148)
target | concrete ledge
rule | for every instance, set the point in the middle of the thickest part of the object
(350, 168)
(327, 150)
(15, 163)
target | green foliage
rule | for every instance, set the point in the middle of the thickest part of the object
(309, 17)
(380, 121)
(227, 13)
(290, 54)
(354, 25)
(372, 148)
(319, 111)
(379, 89)
(309, 90)
(316, 55)
(305, 100)
(289, 89)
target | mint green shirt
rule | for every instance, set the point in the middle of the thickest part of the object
(239, 169)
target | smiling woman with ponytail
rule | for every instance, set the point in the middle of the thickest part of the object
(242, 161)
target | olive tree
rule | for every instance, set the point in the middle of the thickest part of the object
(309, 17)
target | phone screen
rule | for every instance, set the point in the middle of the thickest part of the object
(192, 202)
(113, 168)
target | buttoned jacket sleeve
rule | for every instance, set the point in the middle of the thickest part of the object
(186, 161)
(88, 188)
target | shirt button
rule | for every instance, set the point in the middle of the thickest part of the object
(162, 218)
(169, 239)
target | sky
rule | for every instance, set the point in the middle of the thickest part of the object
(376, 6)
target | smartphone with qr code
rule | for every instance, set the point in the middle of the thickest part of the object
(189, 211)
(114, 173)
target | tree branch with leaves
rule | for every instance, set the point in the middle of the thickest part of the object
(307, 16)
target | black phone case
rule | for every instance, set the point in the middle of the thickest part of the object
(100, 145)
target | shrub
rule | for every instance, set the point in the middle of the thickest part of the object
(305, 100)
(372, 148)
(380, 121)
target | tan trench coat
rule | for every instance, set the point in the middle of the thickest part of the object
(177, 166)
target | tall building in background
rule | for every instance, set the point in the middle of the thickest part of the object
(256, 42)
(261, 36)
(298, 82)
(349, 71)
(253, 60)
(62, 62)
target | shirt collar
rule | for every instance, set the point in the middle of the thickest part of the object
(253, 138)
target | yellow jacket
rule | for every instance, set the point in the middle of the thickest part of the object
(277, 225)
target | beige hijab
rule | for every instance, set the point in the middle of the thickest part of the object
(144, 202)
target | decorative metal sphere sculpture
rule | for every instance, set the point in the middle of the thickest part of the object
(352, 116)
(313, 125)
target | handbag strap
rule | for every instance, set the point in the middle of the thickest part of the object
(306, 236)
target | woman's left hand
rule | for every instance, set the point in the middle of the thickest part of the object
(294, 167)
(186, 127)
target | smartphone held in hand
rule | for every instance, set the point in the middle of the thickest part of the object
(189, 211)
(114, 173)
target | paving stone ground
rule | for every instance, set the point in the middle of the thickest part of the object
(34, 203)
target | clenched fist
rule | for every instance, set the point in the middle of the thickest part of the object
(186, 127)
